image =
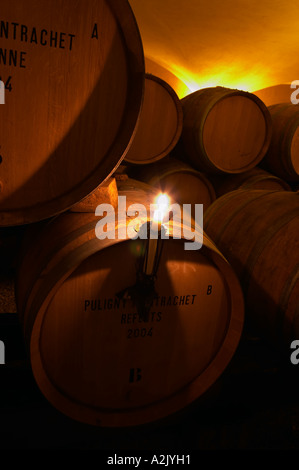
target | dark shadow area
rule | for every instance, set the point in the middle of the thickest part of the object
(254, 405)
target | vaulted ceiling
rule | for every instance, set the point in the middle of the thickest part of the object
(245, 44)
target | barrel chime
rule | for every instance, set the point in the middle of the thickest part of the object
(124, 331)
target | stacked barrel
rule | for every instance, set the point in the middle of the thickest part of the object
(90, 125)
(255, 226)
(248, 153)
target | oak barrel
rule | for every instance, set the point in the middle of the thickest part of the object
(257, 231)
(160, 124)
(225, 130)
(93, 356)
(179, 180)
(282, 158)
(74, 87)
(256, 178)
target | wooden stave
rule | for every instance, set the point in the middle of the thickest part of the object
(278, 323)
(256, 178)
(139, 415)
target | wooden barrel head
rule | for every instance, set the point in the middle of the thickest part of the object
(181, 182)
(74, 78)
(234, 133)
(283, 155)
(108, 359)
(92, 354)
(160, 123)
(225, 130)
(188, 188)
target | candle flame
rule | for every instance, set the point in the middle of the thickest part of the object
(162, 202)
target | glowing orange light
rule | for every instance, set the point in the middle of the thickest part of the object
(235, 78)
(162, 201)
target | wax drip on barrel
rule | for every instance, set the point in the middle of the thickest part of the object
(143, 292)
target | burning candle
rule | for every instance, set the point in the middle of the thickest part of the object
(162, 203)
